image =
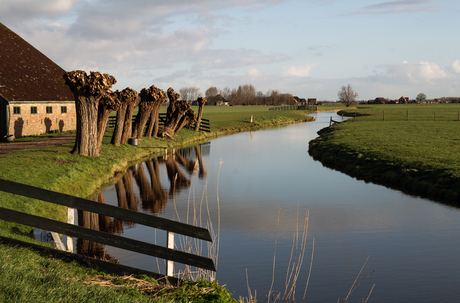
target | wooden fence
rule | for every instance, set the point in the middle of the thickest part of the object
(205, 125)
(71, 230)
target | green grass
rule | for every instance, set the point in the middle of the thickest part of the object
(418, 154)
(27, 276)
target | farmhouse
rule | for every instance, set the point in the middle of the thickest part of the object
(33, 97)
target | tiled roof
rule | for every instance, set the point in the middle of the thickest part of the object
(26, 74)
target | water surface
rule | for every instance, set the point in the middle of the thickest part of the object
(412, 243)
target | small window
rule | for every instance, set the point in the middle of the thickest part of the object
(33, 109)
(49, 109)
(16, 110)
(63, 109)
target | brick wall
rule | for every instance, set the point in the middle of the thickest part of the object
(24, 122)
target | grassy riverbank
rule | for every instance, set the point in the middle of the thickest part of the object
(26, 275)
(414, 148)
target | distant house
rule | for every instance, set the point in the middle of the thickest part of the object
(311, 101)
(220, 101)
(403, 100)
(33, 97)
(300, 101)
(380, 100)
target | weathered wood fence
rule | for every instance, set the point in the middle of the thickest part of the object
(205, 125)
(170, 254)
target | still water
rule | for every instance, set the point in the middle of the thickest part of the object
(255, 189)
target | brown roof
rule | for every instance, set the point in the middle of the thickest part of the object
(26, 74)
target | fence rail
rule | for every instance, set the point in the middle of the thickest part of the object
(205, 125)
(103, 237)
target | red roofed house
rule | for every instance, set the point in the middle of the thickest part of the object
(33, 97)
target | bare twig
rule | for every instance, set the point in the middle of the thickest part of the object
(311, 265)
(369, 293)
(274, 256)
(353, 288)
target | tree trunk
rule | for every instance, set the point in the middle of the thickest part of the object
(152, 130)
(128, 123)
(86, 142)
(102, 119)
(201, 103)
(145, 109)
(151, 125)
(118, 131)
(176, 119)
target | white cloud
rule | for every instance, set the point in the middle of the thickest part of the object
(403, 6)
(298, 70)
(455, 67)
(405, 72)
(15, 11)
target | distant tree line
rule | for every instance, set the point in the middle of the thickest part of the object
(243, 95)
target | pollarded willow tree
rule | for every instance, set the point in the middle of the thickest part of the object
(201, 103)
(123, 126)
(88, 91)
(151, 100)
(179, 114)
(109, 103)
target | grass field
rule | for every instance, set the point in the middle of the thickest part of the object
(413, 147)
(26, 274)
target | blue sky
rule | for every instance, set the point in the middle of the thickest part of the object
(308, 48)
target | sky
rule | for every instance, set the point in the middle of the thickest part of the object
(308, 48)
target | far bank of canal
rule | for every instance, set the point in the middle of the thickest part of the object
(412, 242)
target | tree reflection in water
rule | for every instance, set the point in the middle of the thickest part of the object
(152, 195)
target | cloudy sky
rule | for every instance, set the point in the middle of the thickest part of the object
(308, 48)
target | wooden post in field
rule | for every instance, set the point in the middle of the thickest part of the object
(251, 119)
(330, 121)
(170, 264)
(70, 220)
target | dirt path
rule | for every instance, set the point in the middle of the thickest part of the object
(15, 146)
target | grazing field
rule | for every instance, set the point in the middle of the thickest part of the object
(412, 147)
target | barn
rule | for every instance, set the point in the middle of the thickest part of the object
(33, 97)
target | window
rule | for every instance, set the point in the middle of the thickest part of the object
(49, 109)
(16, 110)
(63, 109)
(33, 109)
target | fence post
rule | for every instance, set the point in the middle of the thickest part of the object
(251, 118)
(70, 220)
(330, 121)
(170, 264)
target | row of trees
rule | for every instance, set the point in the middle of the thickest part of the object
(348, 96)
(243, 95)
(94, 101)
(247, 95)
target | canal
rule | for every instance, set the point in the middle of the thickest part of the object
(256, 190)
